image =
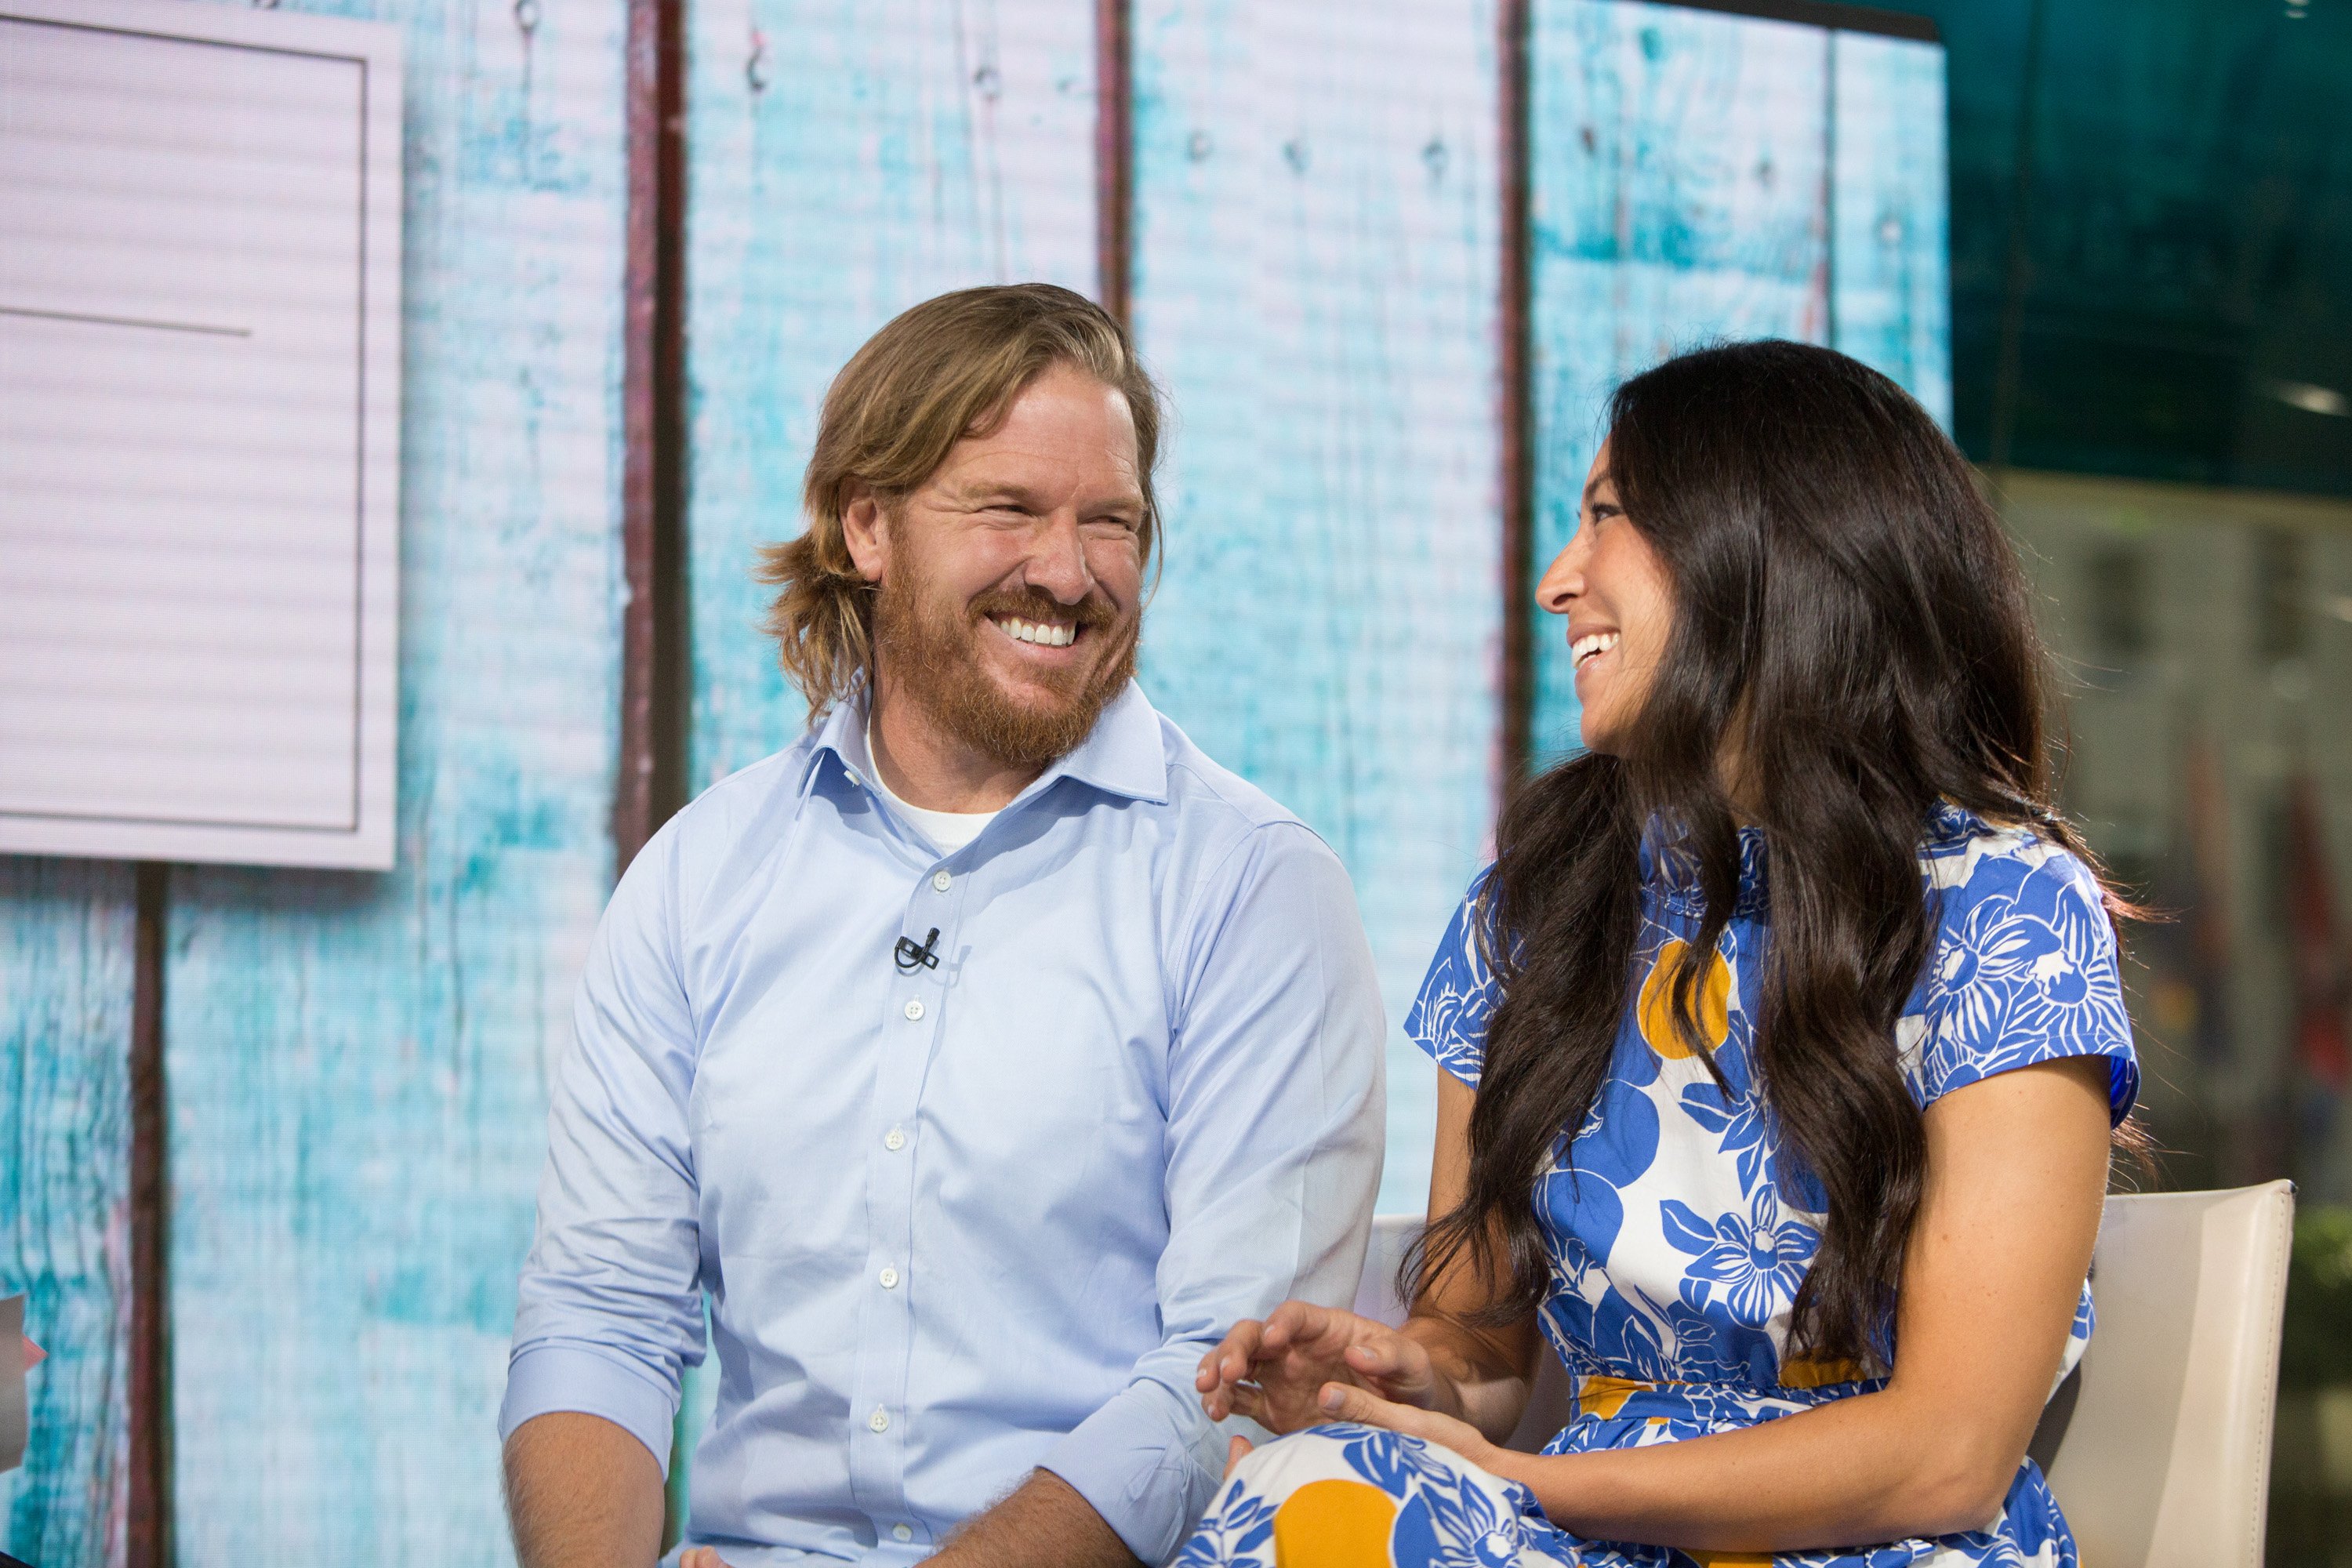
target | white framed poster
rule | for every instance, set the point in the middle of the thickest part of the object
(199, 433)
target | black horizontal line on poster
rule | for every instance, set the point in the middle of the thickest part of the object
(181, 39)
(86, 318)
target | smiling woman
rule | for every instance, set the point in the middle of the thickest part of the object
(1613, 589)
(1787, 1025)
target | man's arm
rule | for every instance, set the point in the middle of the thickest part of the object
(581, 1493)
(1275, 1120)
(610, 1299)
(1045, 1523)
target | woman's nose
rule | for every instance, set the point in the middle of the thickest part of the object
(1563, 580)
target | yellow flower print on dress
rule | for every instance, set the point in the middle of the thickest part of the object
(1806, 1372)
(1605, 1396)
(1334, 1524)
(1657, 1008)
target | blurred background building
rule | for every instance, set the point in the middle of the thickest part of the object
(1388, 256)
(2152, 356)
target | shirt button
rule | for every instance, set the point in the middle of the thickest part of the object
(940, 883)
(855, 780)
(894, 1140)
(914, 1009)
(879, 1420)
(889, 1278)
(902, 1532)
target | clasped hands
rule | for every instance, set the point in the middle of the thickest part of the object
(1304, 1366)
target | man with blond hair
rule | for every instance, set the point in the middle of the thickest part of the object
(981, 1057)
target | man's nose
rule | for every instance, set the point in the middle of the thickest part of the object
(1058, 560)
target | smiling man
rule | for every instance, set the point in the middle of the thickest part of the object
(980, 1059)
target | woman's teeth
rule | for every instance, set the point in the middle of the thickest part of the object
(1045, 634)
(1590, 645)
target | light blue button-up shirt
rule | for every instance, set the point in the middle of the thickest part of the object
(955, 1222)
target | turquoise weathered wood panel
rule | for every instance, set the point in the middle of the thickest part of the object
(1890, 270)
(358, 1063)
(65, 1190)
(1679, 170)
(848, 158)
(1317, 276)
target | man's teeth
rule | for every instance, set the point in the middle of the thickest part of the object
(1591, 643)
(1045, 634)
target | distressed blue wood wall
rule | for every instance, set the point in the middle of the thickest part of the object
(1890, 234)
(1317, 233)
(1697, 175)
(65, 1178)
(847, 158)
(358, 1064)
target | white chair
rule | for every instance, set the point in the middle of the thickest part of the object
(2160, 1450)
(2158, 1446)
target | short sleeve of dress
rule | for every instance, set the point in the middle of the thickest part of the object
(1458, 996)
(2025, 972)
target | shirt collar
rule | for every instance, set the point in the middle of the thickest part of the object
(1121, 755)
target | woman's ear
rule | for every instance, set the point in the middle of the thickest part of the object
(866, 529)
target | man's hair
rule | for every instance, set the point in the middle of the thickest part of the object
(944, 370)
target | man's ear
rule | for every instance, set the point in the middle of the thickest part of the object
(866, 528)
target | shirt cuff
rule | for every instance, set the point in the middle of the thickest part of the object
(1146, 1463)
(550, 1377)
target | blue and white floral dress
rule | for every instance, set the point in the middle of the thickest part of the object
(1679, 1241)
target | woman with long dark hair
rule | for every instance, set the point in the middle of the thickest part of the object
(1780, 1048)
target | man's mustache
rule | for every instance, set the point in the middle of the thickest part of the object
(1093, 610)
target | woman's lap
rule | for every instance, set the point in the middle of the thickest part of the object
(1347, 1496)
(1358, 1497)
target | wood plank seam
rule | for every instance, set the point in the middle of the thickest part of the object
(650, 782)
(149, 1537)
(1516, 411)
(1114, 154)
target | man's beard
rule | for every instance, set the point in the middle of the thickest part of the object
(934, 660)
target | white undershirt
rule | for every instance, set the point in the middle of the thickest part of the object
(949, 830)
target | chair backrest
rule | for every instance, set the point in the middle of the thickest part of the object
(2158, 1445)
(2161, 1455)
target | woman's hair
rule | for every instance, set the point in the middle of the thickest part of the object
(1850, 617)
(948, 368)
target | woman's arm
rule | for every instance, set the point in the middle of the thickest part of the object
(1280, 1373)
(2016, 1176)
(1489, 1370)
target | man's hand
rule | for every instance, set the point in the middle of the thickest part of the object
(1276, 1373)
(34, 1354)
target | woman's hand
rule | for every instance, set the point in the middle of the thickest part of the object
(1361, 1405)
(1276, 1373)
